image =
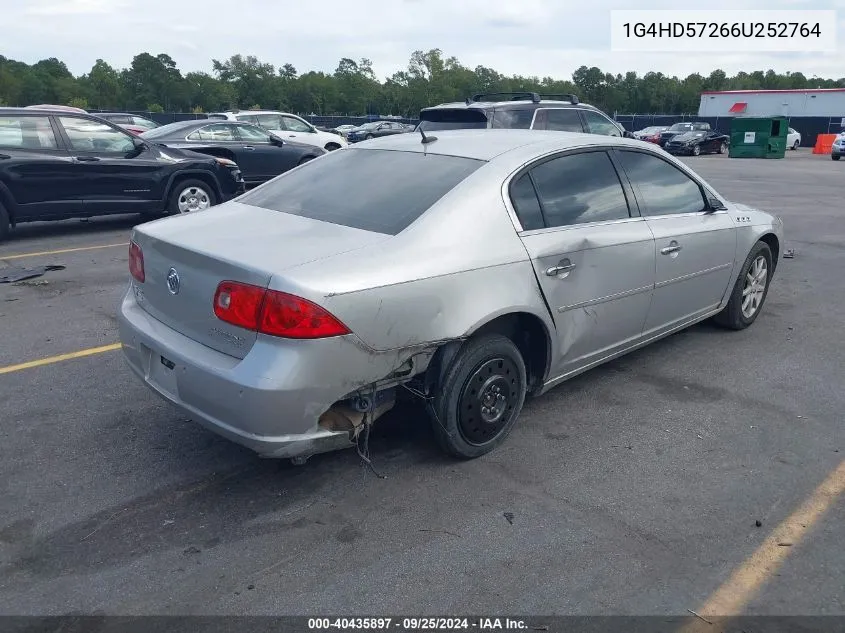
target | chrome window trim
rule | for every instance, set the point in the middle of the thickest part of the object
(506, 198)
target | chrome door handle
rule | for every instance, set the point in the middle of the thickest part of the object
(554, 271)
(670, 249)
(249, 147)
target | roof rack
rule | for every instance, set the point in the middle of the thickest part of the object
(522, 96)
(573, 99)
(512, 96)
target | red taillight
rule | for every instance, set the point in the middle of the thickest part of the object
(136, 262)
(273, 312)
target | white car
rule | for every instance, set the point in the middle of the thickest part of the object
(793, 139)
(286, 126)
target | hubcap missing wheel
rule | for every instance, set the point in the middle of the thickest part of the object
(487, 400)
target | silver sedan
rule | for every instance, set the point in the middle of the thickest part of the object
(467, 269)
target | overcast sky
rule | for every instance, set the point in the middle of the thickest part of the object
(527, 37)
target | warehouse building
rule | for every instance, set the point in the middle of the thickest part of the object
(823, 102)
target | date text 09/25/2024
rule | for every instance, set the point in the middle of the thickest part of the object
(416, 624)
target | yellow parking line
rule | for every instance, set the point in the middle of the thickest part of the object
(746, 581)
(57, 359)
(62, 250)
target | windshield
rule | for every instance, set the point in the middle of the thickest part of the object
(452, 119)
(679, 127)
(374, 190)
(690, 136)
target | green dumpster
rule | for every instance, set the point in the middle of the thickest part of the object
(758, 137)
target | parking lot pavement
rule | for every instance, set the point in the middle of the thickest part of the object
(634, 488)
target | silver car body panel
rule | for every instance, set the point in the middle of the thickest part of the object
(463, 263)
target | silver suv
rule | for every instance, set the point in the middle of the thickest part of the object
(521, 111)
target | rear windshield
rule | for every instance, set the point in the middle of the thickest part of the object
(375, 190)
(452, 119)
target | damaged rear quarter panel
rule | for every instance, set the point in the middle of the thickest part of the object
(459, 266)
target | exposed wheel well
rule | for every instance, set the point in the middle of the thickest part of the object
(772, 241)
(530, 335)
(331, 146)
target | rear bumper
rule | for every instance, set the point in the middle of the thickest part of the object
(269, 402)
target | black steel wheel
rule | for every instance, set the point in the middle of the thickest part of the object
(479, 396)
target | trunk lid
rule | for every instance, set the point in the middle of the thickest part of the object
(231, 242)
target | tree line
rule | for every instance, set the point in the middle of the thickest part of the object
(154, 83)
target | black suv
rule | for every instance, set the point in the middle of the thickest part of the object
(56, 164)
(521, 111)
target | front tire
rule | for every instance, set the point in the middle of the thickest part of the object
(834, 156)
(190, 196)
(750, 290)
(723, 148)
(696, 151)
(479, 396)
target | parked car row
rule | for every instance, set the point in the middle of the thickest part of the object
(60, 163)
(684, 137)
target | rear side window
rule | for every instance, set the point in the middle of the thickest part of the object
(526, 204)
(452, 119)
(373, 190)
(513, 119)
(26, 132)
(665, 188)
(580, 188)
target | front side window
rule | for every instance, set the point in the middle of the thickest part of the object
(580, 188)
(216, 132)
(254, 134)
(86, 135)
(665, 189)
(26, 132)
(295, 125)
(560, 119)
(270, 121)
(600, 124)
(409, 183)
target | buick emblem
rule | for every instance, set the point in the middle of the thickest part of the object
(173, 281)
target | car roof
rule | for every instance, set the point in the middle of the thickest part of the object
(487, 144)
(42, 110)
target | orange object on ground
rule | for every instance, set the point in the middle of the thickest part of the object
(824, 143)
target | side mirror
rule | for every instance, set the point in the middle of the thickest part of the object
(139, 144)
(628, 134)
(275, 140)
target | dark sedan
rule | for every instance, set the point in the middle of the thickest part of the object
(376, 129)
(698, 142)
(260, 155)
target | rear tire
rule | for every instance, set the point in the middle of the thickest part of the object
(5, 223)
(834, 156)
(723, 148)
(795, 145)
(189, 196)
(750, 290)
(479, 396)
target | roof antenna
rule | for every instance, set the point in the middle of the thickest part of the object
(426, 139)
